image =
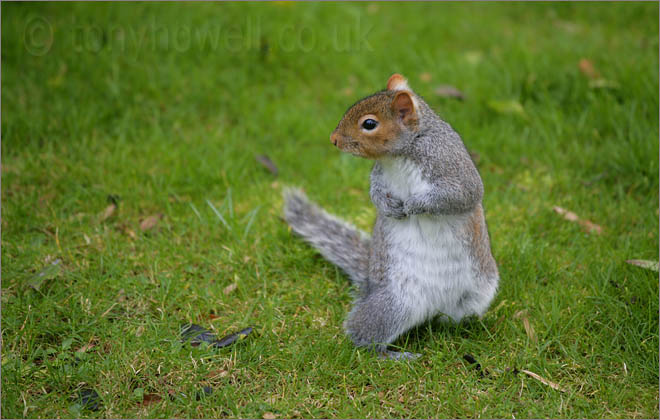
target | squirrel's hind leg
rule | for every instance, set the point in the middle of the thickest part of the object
(376, 320)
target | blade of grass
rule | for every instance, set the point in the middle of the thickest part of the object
(217, 213)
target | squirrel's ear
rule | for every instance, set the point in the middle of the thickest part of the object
(403, 105)
(397, 82)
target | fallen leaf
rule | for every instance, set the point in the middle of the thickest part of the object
(590, 226)
(446, 91)
(587, 68)
(149, 399)
(425, 77)
(267, 163)
(568, 215)
(529, 330)
(109, 211)
(227, 290)
(587, 225)
(649, 265)
(347, 91)
(232, 338)
(88, 398)
(150, 222)
(88, 346)
(220, 373)
(510, 107)
(268, 415)
(197, 334)
(543, 380)
(48, 273)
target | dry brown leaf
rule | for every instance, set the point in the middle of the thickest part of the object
(267, 163)
(587, 68)
(227, 290)
(149, 399)
(270, 416)
(150, 222)
(123, 228)
(649, 265)
(425, 77)
(568, 215)
(220, 373)
(211, 316)
(591, 226)
(587, 225)
(543, 380)
(92, 343)
(528, 327)
(446, 91)
(86, 347)
(518, 314)
(109, 211)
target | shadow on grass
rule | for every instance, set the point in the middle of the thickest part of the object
(471, 328)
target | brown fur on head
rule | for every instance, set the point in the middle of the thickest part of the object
(392, 111)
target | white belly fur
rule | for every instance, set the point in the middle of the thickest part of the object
(431, 267)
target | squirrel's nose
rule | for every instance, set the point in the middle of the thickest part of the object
(334, 137)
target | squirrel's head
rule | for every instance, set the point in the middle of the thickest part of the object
(372, 126)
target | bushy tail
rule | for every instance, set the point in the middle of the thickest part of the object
(338, 241)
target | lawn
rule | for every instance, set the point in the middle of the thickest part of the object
(133, 202)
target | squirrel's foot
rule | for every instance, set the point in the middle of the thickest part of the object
(398, 355)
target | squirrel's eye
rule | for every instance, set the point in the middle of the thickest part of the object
(369, 124)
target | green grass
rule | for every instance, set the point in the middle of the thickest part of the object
(130, 100)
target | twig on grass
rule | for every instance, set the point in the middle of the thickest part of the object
(543, 380)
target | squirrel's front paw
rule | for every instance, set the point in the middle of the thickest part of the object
(393, 207)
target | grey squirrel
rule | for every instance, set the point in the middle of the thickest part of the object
(429, 253)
